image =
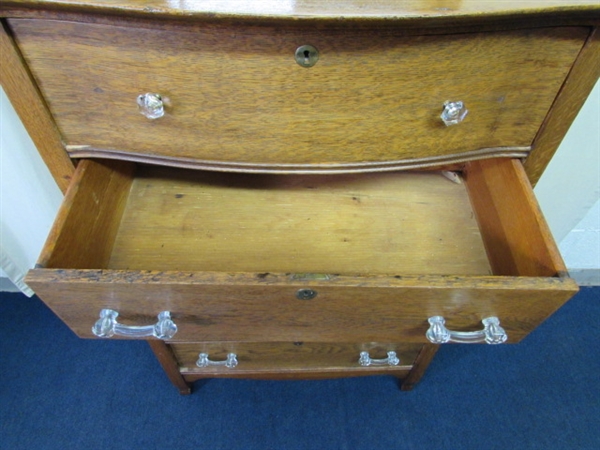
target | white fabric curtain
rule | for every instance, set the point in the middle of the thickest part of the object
(29, 198)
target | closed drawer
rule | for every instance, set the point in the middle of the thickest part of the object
(235, 98)
(264, 358)
(265, 258)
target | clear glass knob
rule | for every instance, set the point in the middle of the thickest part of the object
(230, 362)
(454, 112)
(492, 332)
(151, 105)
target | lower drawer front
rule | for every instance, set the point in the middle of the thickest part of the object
(221, 307)
(281, 358)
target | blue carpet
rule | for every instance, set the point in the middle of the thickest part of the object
(61, 392)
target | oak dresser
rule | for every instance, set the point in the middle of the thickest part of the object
(299, 189)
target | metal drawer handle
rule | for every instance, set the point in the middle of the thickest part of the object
(230, 362)
(492, 332)
(366, 360)
(151, 105)
(107, 326)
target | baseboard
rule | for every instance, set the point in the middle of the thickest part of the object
(7, 286)
(586, 277)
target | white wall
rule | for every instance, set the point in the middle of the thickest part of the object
(29, 197)
(569, 193)
(570, 186)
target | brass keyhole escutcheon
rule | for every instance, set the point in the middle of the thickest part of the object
(306, 294)
(307, 55)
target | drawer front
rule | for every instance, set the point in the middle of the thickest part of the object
(235, 98)
(290, 357)
(266, 307)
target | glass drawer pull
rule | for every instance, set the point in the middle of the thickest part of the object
(366, 360)
(151, 105)
(454, 113)
(492, 332)
(230, 362)
(107, 326)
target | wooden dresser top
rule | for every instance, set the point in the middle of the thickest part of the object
(419, 12)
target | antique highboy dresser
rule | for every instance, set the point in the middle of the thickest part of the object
(301, 188)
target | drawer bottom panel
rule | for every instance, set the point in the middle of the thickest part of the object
(293, 359)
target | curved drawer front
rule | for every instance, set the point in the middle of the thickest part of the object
(237, 99)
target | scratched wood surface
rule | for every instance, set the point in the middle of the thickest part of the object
(236, 94)
(393, 223)
(221, 307)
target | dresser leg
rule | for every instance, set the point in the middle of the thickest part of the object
(420, 365)
(167, 360)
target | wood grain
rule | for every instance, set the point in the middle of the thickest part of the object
(516, 236)
(392, 223)
(436, 11)
(237, 95)
(577, 87)
(420, 365)
(257, 357)
(31, 109)
(83, 233)
(263, 307)
(426, 163)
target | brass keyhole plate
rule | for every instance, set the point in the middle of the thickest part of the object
(307, 55)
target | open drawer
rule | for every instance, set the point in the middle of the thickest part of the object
(270, 258)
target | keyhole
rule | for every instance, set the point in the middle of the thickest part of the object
(306, 57)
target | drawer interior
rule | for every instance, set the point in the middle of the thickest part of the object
(390, 223)
(344, 258)
(125, 216)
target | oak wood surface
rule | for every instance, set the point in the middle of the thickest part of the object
(84, 230)
(235, 94)
(399, 372)
(392, 223)
(516, 236)
(427, 163)
(269, 356)
(224, 306)
(574, 92)
(264, 307)
(420, 365)
(26, 99)
(407, 10)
